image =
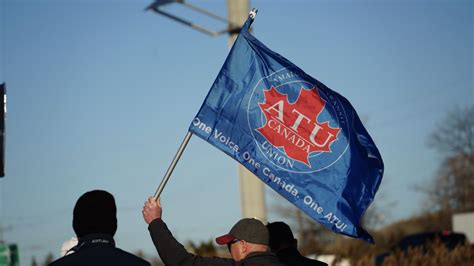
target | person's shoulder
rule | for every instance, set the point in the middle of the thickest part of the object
(69, 260)
(57, 262)
(311, 262)
(114, 256)
(292, 256)
(130, 257)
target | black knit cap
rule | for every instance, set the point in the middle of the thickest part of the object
(95, 213)
(280, 234)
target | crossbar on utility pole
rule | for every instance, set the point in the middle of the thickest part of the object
(231, 27)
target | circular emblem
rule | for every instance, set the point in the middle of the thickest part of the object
(297, 126)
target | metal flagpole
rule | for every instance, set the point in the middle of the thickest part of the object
(172, 165)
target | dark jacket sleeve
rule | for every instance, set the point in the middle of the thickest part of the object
(172, 253)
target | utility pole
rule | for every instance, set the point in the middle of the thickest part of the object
(252, 196)
(252, 200)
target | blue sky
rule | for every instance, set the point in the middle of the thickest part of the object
(101, 93)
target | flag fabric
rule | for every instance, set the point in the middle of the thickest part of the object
(299, 137)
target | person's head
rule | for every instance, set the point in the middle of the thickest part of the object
(95, 213)
(280, 236)
(246, 236)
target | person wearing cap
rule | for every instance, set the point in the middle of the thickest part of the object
(285, 245)
(95, 223)
(247, 242)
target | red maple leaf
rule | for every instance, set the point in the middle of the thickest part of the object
(294, 126)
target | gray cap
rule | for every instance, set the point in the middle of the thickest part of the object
(248, 229)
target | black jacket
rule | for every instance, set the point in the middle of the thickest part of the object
(99, 250)
(292, 257)
(172, 253)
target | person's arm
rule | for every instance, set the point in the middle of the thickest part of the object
(169, 249)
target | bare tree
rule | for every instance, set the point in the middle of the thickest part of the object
(203, 248)
(454, 136)
(453, 187)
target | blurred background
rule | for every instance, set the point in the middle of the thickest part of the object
(101, 93)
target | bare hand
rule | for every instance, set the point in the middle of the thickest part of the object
(152, 210)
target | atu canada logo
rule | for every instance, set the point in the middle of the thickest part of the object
(297, 127)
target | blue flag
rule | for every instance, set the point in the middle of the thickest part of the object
(298, 136)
